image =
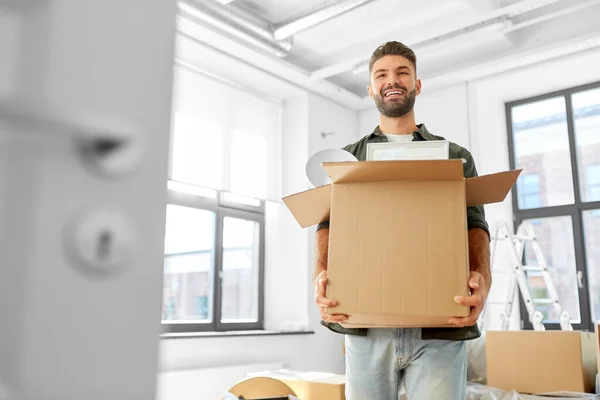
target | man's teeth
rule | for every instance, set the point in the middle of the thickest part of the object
(394, 92)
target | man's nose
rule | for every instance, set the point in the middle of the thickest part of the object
(392, 81)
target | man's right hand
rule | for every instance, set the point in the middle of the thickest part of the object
(324, 303)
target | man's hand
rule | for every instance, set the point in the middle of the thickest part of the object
(323, 302)
(479, 293)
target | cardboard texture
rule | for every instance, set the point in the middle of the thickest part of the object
(311, 385)
(598, 355)
(491, 188)
(260, 388)
(398, 247)
(541, 361)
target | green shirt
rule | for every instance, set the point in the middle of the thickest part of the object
(475, 219)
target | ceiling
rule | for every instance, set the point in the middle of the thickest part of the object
(323, 45)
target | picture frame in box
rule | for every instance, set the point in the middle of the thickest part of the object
(421, 150)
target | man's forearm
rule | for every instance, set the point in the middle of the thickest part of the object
(479, 254)
(321, 251)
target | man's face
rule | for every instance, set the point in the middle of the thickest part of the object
(394, 86)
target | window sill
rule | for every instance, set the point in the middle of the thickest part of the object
(186, 335)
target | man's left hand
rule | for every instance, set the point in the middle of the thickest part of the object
(476, 300)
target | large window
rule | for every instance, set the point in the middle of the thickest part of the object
(555, 139)
(224, 166)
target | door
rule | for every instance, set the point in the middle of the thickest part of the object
(85, 93)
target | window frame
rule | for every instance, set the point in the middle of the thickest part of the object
(222, 209)
(575, 210)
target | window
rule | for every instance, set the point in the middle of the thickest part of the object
(592, 174)
(224, 166)
(555, 139)
(529, 191)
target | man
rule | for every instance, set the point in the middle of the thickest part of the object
(431, 363)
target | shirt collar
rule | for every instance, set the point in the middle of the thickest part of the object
(421, 134)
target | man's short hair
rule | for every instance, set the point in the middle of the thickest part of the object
(393, 49)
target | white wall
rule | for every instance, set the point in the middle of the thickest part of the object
(285, 280)
(289, 298)
(473, 115)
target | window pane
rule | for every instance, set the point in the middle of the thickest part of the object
(197, 151)
(188, 271)
(586, 114)
(555, 237)
(591, 227)
(528, 189)
(240, 270)
(541, 142)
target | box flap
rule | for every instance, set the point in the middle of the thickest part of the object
(310, 207)
(493, 188)
(403, 170)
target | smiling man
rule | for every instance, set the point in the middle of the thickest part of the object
(431, 363)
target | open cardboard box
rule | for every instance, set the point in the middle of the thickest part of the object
(542, 361)
(398, 247)
(299, 384)
(310, 385)
(258, 388)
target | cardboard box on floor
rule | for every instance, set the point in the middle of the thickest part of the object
(542, 361)
(303, 385)
(260, 388)
(398, 248)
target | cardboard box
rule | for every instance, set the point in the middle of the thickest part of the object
(398, 248)
(598, 356)
(310, 385)
(541, 361)
(260, 388)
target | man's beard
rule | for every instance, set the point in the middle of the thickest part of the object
(396, 109)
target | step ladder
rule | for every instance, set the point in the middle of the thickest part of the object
(515, 244)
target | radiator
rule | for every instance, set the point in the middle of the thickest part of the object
(205, 384)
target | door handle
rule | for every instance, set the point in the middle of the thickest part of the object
(111, 146)
(580, 279)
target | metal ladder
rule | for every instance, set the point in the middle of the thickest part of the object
(501, 232)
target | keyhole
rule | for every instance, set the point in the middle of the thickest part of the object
(104, 245)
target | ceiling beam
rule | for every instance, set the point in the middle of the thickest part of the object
(482, 5)
(291, 28)
(281, 69)
(493, 17)
(551, 15)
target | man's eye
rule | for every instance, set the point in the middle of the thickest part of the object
(380, 76)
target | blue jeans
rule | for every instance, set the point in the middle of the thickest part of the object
(377, 365)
